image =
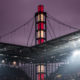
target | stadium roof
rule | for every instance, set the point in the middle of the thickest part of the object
(52, 51)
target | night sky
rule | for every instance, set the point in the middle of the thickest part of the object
(14, 13)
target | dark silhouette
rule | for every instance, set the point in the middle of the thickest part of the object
(8, 73)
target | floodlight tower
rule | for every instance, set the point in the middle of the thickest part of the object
(40, 37)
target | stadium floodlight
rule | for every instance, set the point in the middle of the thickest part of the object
(76, 53)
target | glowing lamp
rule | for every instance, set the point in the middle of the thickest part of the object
(40, 17)
(3, 61)
(58, 76)
(14, 62)
(76, 53)
(40, 68)
(41, 34)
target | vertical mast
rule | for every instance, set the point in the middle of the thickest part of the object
(40, 25)
(40, 37)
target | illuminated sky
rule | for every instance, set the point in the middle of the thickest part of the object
(16, 12)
